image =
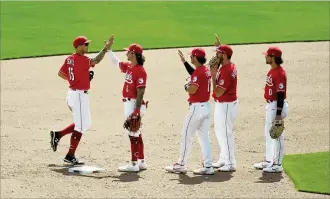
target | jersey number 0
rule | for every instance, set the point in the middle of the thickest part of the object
(71, 75)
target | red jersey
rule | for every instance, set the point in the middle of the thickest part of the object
(275, 82)
(135, 77)
(76, 69)
(227, 79)
(201, 77)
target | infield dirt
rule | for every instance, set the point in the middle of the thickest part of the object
(33, 103)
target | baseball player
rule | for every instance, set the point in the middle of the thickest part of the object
(224, 81)
(197, 119)
(134, 105)
(276, 109)
(75, 70)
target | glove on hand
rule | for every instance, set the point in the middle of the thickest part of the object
(133, 122)
(277, 129)
(214, 62)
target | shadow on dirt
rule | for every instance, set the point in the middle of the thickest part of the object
(123, 177)
(198, 179)
(270, 177)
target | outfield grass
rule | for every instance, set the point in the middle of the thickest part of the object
(309, 172)
(45, 28)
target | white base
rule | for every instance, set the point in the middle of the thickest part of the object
(85, 169)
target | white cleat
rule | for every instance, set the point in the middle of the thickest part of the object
(176, 168)
(218, 164)
(227, 168)
(274, 169)
(142, 164)
(131, 167)
(262, 165)
(204, 171)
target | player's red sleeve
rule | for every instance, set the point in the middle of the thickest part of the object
(64, 68)
(123, 66)
(280, 83)
(141, 79)
(195, 79)
(223, 80)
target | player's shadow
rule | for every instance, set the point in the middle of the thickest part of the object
(270, 177)
(198, 179)
(126, 177)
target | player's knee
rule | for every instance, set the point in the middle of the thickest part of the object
(134, 140)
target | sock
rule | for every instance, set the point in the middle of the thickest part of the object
(74, 142)
(67, 130)
(134, 147)
(141, 148)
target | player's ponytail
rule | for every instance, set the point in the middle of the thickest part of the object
(201, 60)
(278, 60)
(140, 58)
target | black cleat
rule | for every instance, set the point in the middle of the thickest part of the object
(72, 160)
(54, 140)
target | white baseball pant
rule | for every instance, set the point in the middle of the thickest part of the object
(274, 147)
(78, 102)
(224, 117)
(129, 106)
(197, 121)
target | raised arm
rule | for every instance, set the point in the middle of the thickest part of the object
(101, 54)
(189, 68)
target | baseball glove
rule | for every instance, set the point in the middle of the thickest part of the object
(214, 62)
(91, 75)
(277, 129)
(133, 123)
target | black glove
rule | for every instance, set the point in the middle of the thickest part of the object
(91, 75)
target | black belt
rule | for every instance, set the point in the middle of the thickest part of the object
(85, 91)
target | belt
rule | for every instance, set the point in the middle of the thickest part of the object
(190, 103)
(85, 91)
(129, 99)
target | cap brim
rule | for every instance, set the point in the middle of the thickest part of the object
(87, 41)
(126, 49)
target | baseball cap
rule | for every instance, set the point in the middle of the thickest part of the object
(226, 49)
(135, 48)
(80, 40)
(198, 52)
(274, 51)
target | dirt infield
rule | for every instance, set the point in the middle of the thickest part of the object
(33, 103)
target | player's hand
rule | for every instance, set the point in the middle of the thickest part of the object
(181, 56)
(109, 42)
(217, 40)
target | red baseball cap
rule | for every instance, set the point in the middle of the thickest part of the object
(274, 51)
(198, 52)
(135, 48)
(226, 49)
(80, 40)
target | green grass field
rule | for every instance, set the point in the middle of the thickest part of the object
(309, 172)
(46, 28)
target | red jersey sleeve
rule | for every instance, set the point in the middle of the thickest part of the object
(223, 80)
(280, 82)
(123, 66)
(64, 68)
(195, 79)
(141, 79)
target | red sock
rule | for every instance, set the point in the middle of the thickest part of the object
(141, 148)
(74, 142)
(67, 130)
(134, 147)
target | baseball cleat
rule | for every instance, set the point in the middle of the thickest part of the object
(131, 167)
(73, 160)
(218, 164)
(227, 168)
(176, 168)
(262, 165)
(142, 164)
(276, 168)
(54, 140)
(204, 171)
